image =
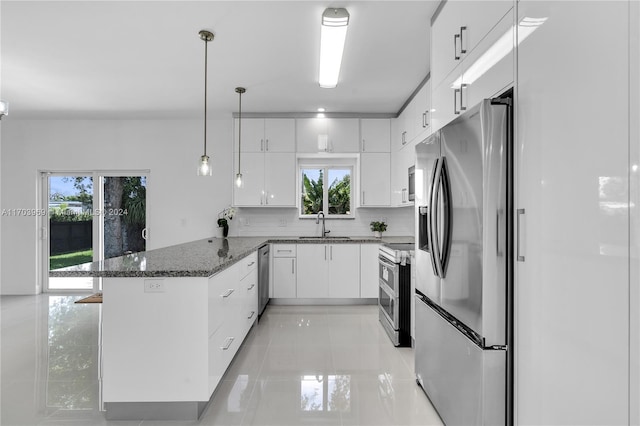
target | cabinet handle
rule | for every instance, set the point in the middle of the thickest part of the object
(228, 293)
(462, 49)
(279, 250)
(292, 265)
(462, 87)
(252, 314)
(251, 264)
(331, 253)
(363, 198)
(455, 47)
(261, 144)
(519, 258)
(325, 252)
(404, 137)
(227, 343)
(251, 287)
(266, 144)
(424, 120)
(266, 197)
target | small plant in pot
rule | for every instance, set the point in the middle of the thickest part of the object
(378, 228)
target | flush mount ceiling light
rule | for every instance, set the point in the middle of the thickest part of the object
(239, 91)
(333, 34)
(204, 166)
(4, 109)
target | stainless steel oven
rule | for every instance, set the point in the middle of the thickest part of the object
(394, 293)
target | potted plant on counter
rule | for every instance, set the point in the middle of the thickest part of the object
(378, 228)
(223, 220)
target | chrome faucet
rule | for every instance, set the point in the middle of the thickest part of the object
(324, 232)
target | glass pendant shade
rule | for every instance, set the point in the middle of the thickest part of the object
(204, 166)
(239, 180)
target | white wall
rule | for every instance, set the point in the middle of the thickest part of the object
(181, 206)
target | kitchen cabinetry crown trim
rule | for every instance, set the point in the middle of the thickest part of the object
(315, 114)
(414, 93)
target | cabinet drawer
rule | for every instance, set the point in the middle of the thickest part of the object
(283, 250)
(248, 264)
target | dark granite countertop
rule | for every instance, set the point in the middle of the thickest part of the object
(202, 258)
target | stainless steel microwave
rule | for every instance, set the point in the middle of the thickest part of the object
(412, 183)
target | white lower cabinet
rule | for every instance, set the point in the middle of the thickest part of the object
(328, 271)
(369, 270)
(283, 270)
(232, 307)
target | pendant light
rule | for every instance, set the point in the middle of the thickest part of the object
(204, 166)
(239, 91)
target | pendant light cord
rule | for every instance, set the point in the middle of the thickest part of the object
(206, 45)
(239, 130)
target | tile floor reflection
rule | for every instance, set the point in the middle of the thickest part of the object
(320, 365)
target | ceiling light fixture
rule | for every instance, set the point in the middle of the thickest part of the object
(239, 91)
(321, 109)
(204, 167)
(333, 34)
(4, 109)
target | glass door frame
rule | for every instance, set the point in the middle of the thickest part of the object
(97, 225)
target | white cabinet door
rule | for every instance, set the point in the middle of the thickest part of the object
(307, 132)
(572, 289)
(251, 192)
(422, 114)
(280, 179)
(445, 46)
(344, 135)
(375, 174)
(397, 127)
(478, 18)
(252, 135)
(484, 82)
(284, 277)
(312, 278)
(369, 270)
(344, 270)
(375, 135)
(280, 134)
(445, 103)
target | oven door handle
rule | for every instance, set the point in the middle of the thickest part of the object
(390, 265)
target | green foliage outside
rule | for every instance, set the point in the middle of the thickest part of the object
(339, 195)
(69, 259)
(134, 200)
(312, 194)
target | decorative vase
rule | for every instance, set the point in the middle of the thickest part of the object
(377, 234)
(225, 231)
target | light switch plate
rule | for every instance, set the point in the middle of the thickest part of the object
(154, 286)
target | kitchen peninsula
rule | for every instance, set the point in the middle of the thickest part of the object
(173, 319)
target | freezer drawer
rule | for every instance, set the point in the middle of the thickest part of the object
(466, 384)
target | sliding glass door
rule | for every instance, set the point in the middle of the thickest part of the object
(91, 216)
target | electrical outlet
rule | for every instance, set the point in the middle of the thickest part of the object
(283, 222)
(154, 286)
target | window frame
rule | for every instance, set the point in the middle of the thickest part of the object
(326, 164)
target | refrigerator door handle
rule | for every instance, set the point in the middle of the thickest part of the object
(434, 213)
(447, 219)
(430, 210)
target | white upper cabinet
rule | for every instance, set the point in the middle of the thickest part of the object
(375, 173)
(422, 112)
(268, 180)
(375, 135)
(456, 31)
(327, 135)
(486, 70)
(572, 303)
(266, 135)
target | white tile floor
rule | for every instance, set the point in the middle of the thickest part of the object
(320, 365)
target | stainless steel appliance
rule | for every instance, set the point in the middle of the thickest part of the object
(394, 299)
(463, 315)
(263, 278)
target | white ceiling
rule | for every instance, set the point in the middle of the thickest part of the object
(138, 59)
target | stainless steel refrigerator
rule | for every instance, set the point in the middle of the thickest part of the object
(464, 267)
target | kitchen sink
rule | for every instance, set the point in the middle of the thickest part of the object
(324, 238)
